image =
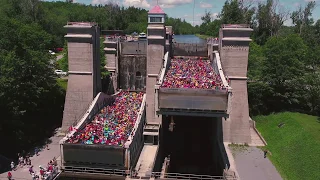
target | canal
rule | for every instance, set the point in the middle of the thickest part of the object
(191, 39)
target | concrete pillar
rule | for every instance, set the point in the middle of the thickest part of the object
(156, 40)
(169, 32)
(84, 81)
(111, 53)
(234, 50)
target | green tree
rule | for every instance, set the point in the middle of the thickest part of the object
(270, 17)
(236, 12)
(283, 66)
(28, 90)
(301, 18)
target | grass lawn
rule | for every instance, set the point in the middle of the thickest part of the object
(63, 83)
(295, 147)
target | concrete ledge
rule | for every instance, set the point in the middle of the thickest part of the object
(236, 39)
(109, 42)
(80, 72)
(78, 36)
(237, 29)
(109, 49)
(155, 37)
(153, 75)
(237, 78)
(155, 27)
(253, 125)
(111, 69)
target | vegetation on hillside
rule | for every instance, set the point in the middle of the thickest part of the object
(295, 146)
(284, 62)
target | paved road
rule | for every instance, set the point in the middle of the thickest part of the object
(252, 166)
(43, 159)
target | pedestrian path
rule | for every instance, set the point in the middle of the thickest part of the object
(251, 164)
(22, 173)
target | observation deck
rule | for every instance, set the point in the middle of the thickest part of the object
(192, 86)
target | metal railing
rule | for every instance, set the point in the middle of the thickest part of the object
(115, 172)
(185, 176)
(134, 175)
(212, 41)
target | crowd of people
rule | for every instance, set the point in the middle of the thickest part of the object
(192, 74)
(48, 172)
(114, 124)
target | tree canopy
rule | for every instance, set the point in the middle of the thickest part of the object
(283, 67)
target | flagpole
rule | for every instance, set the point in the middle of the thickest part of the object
(194, 4)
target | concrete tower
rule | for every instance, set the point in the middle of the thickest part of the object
(84, 81)
(234, 50)
(156, 39)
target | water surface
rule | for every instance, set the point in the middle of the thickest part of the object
(188, 39)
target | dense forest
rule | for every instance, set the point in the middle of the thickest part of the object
(284, 61)
(31, 100)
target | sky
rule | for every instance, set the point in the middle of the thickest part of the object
(184, 8)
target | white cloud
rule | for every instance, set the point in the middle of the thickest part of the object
(105, 2)
(205, 5)
(288, 22)
(137, 3)
(196, 22)
(199, 15)
(296, 4)
(173, 3)
(214, 15)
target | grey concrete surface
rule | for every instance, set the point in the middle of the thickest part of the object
(132, 70)
(59, 57)
(251, 165)
(22, 173)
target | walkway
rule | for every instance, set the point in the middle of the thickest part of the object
(251, 165)
(43, 159)
(146, 160)
(255, 139)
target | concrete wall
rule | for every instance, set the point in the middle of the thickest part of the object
(130, 66)
(235, 60)
(185, 49)
(134, 48)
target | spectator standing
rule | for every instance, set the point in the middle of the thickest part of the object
(265, 152)
(9, 175)
(12, 166)
(31, 170)
(36, 151)
(42, 172)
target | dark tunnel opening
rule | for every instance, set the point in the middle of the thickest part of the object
(192, 145)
